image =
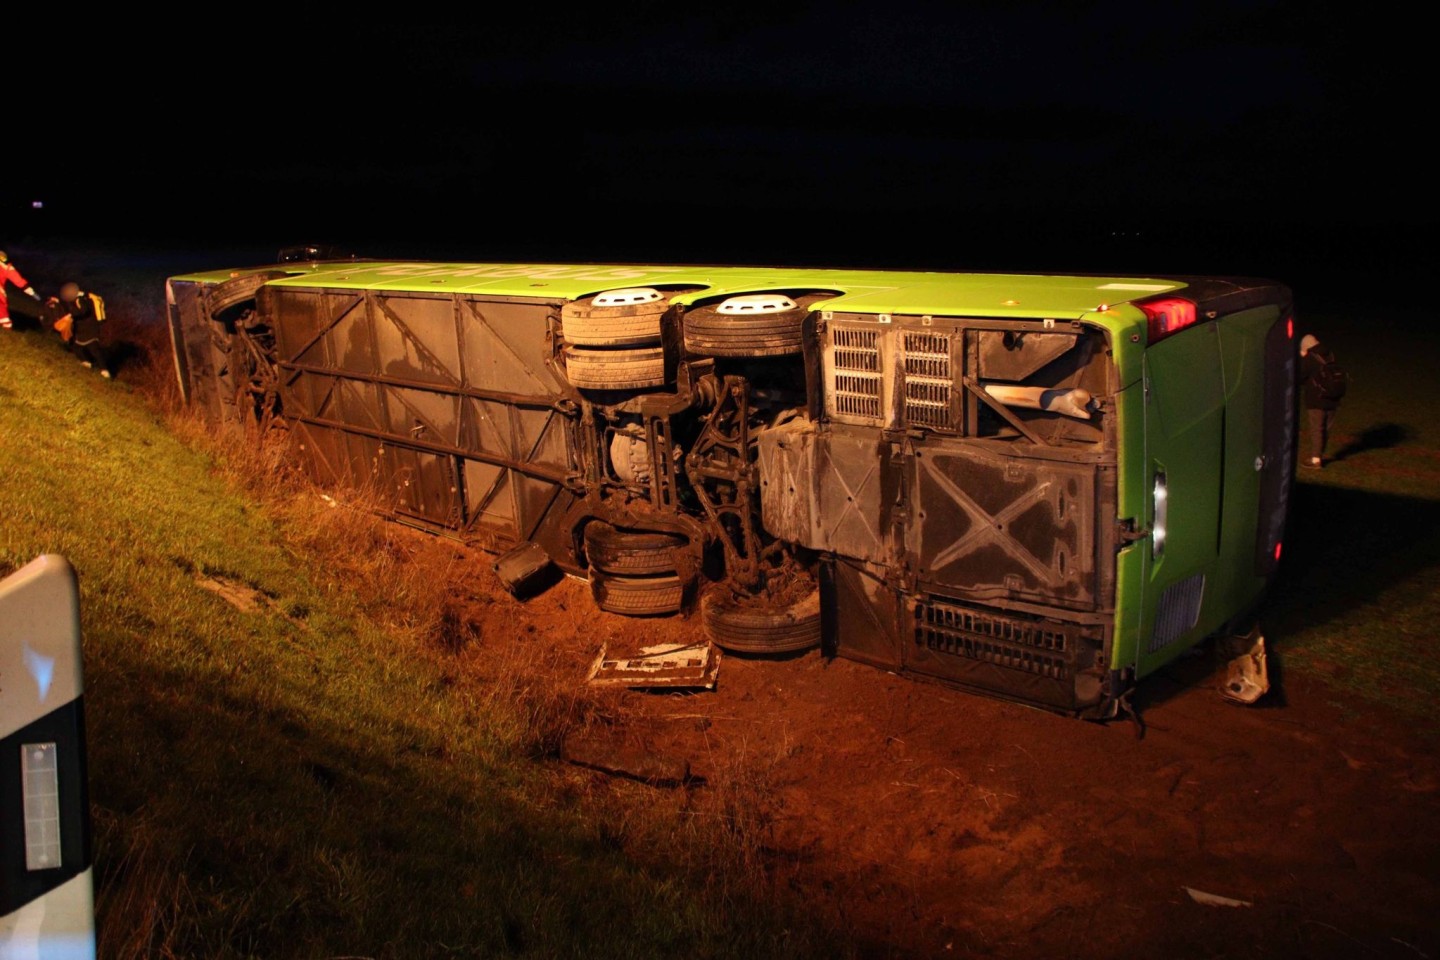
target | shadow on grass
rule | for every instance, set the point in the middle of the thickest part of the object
(127, 355)
(1380, 436)
(264, 830)
(1343, 549)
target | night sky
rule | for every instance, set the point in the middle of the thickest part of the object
(1257, 138)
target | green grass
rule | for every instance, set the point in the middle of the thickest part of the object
(1358, 601)
(313, 780)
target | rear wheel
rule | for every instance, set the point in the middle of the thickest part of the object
(611, 326)
(637, 596)
(761, 629)
(632, 553)
(615, 369)
(711, 333)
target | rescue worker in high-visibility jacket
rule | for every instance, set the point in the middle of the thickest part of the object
(10, 276)
(84, 327)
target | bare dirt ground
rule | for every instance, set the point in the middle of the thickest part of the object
(933, 822)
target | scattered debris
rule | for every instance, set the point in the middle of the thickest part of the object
(692, 666)
(617, 757)
(1247, 678)
(525, 570)
(1214, 899)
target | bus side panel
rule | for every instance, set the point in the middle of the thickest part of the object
(445, 405)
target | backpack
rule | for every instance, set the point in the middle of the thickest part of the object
(1331, 380)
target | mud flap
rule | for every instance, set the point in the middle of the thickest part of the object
(1247, 678)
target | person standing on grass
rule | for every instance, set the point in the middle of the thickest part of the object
(9, 275)
(84, 316)
(1322, 384)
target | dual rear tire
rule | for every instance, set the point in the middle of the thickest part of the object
(636, 573)
(613, 347)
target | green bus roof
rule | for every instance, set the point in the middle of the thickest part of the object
(860, 291)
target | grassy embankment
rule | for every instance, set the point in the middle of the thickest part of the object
(317, 776)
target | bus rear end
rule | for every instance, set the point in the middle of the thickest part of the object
(1044, 509)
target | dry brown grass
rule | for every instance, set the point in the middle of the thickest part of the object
(140, 347)
(399, 576)
(442, 596)
(143, 898)
(431, 592)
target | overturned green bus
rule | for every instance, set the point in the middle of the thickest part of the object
(1038, 487)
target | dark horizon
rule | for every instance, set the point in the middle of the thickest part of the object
(1251, 138)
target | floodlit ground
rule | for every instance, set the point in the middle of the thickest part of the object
(364, 762)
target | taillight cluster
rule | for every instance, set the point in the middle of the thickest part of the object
(1168, 315)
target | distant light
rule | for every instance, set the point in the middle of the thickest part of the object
(37, 204)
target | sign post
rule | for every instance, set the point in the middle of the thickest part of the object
(47, 907)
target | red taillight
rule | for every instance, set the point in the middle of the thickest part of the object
(1168, 315)
(1277, 551)
(1290, 328)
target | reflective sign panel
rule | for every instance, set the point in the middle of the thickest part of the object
(38, 773)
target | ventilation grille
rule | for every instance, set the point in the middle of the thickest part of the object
(1037, 648)
(1178, 612)
(855, 390)
(927, 379)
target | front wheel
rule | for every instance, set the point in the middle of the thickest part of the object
(637, 596)
(743, 628)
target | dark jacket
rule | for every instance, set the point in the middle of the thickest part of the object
(87, 325)
(1310, 364)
